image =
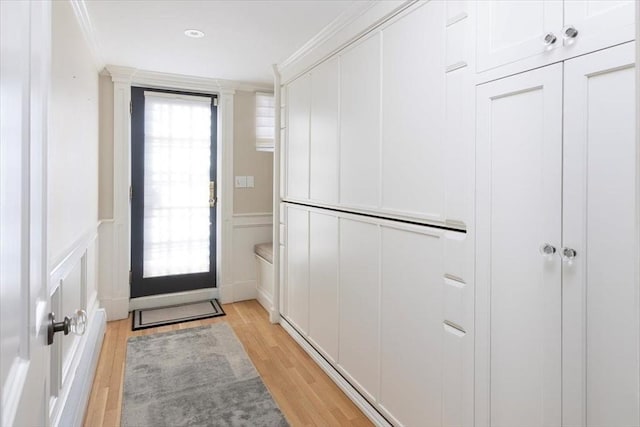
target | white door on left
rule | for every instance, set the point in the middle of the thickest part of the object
(25, 46)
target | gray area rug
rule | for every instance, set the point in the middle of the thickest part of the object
(194, 377)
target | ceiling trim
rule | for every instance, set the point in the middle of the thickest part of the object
(355, 10)
(88, 31)
(179, 81)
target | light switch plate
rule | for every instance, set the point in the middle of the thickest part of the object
(250, 182)
(241, 181)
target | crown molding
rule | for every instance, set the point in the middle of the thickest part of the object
(86, 27)
(360, 19)
(179, 81)
(355, 10)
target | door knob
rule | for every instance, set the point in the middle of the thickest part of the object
(549, 40)
(568, 255)
(77, 324)
(547, 250)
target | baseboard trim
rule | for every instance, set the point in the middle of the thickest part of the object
(157, 301)
(74, 403)
(265, 300)
(116, 308)
(245, 290)
(362, 403)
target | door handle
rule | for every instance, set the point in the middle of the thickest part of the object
(76, 324)
(212, 194)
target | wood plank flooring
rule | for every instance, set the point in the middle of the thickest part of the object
(304, 393)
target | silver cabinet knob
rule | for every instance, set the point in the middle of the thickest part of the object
(550, 39)
(568, 255)
(76, 324)
(547, 249)
(570, 32)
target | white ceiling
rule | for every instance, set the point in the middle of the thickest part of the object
(242, 38)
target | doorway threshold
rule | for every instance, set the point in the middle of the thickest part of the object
(176, 298)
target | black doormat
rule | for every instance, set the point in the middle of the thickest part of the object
(154, 317)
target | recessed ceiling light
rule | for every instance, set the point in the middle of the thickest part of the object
(196, 34)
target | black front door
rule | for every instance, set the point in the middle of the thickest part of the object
(173, 172)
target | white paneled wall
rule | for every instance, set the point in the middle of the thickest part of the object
(359, 129)
(388, 304)
(359, 306)
(297, 154)
(323, 150)
(412, 123)
(298, 267)
(367, 134)
(324, 317)
(446, 144)
(369, 295)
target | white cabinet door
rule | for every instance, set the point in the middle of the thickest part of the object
(323, 152)
(511, 30)
(297, 157)
(323, 282)
(518, 291)
(359, 293)
(600, 24)
(297, 248)
(360, 125)
(413, 114)
(411, 325)
(600, 222)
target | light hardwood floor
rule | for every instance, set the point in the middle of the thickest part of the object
(304, 393)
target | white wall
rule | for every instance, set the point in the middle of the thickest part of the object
(73, 141)
(72, 212)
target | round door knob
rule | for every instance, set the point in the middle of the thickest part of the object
(570, 32)
(568, 255)
(78, 322)
(547, 250)
(550, 39)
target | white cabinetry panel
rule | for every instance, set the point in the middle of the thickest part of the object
(411, 326)
(360, 125)
(412, 113)
(600, 23)
(325, 85)
(323, 282)
(600, 288)
(518, 341)
(297, 161)
(511, 30)
(359, 286)
(297, 249)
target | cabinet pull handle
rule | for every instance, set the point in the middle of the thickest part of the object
(550, 39)
(547, 250)
(568, 255)
(570, 32)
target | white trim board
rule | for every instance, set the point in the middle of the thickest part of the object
(115, 291)
(74, 403)
(160, 80)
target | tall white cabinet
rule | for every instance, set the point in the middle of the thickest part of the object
(557, 298)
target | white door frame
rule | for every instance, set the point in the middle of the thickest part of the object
(116, 299)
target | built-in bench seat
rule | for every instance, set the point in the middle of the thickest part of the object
(264, 250)
(264, 271)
